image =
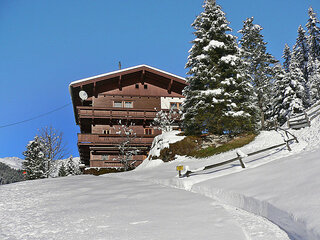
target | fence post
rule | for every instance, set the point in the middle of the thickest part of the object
(287, 143)
(306, 116)
(240, 160)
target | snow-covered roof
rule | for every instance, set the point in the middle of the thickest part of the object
(124, 70)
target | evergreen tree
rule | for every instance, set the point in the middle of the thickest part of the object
(62, 171)
(279, 87)
(314, 81)
(300, 49)
(216, 98)
(313, 40)
(294, 92)
(258, 63)
(313, 35)
(287, 57)
(72, 168)
(9, 175)
(34, 163)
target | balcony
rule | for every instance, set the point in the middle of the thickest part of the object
(112, 139)
(116, 113)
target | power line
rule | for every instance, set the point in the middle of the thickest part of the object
(35, 117)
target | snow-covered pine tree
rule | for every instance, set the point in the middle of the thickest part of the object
(314, 81)
(279, 87)
(34, 163)
(259, 65)
(71, 167)
(62, 171)
(300, 49)
(313, 39)
(300, 52)
(216, 88)
(294, 92)
(287, 57)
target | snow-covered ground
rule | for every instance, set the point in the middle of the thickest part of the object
(279, 185)
(275, 197)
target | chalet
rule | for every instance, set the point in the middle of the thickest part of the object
(132, 97)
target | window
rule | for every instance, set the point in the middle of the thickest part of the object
(148, 131)
(145, 86)
(175, 105)
(128, 104)
(105, 157)
(123, 104)
(117, 104)
(137, 85)
(106, 131)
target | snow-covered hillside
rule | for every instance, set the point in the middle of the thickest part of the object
(274, 197)
(13, 162)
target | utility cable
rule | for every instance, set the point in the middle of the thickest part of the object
(36, 117)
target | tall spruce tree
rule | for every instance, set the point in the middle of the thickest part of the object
(287, 57)
(313, 35)
(314, 81)
(34, 163)
(279, 87)
(300, 49)
(313, 39)
(294, 92)
(217, 98)
(259, 65)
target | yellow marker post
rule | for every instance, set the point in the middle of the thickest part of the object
(180, 168)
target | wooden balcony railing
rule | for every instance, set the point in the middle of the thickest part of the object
(112, 139)
(117, 113)
(93, 112)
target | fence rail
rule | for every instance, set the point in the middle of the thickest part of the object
(239, 158)
(296, 122)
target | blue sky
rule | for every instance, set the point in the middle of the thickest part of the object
(45, 45)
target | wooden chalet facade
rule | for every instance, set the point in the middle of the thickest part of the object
(132, 96)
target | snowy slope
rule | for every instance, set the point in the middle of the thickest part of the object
(278, 188)
(13, 162)
(90, 207)
(278, 185)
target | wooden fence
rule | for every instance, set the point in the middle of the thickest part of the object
(286, 138)
(304, 119)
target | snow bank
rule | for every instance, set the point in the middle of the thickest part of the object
(284, 191)
(160, 142)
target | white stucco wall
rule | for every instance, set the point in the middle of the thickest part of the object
(165, 101)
